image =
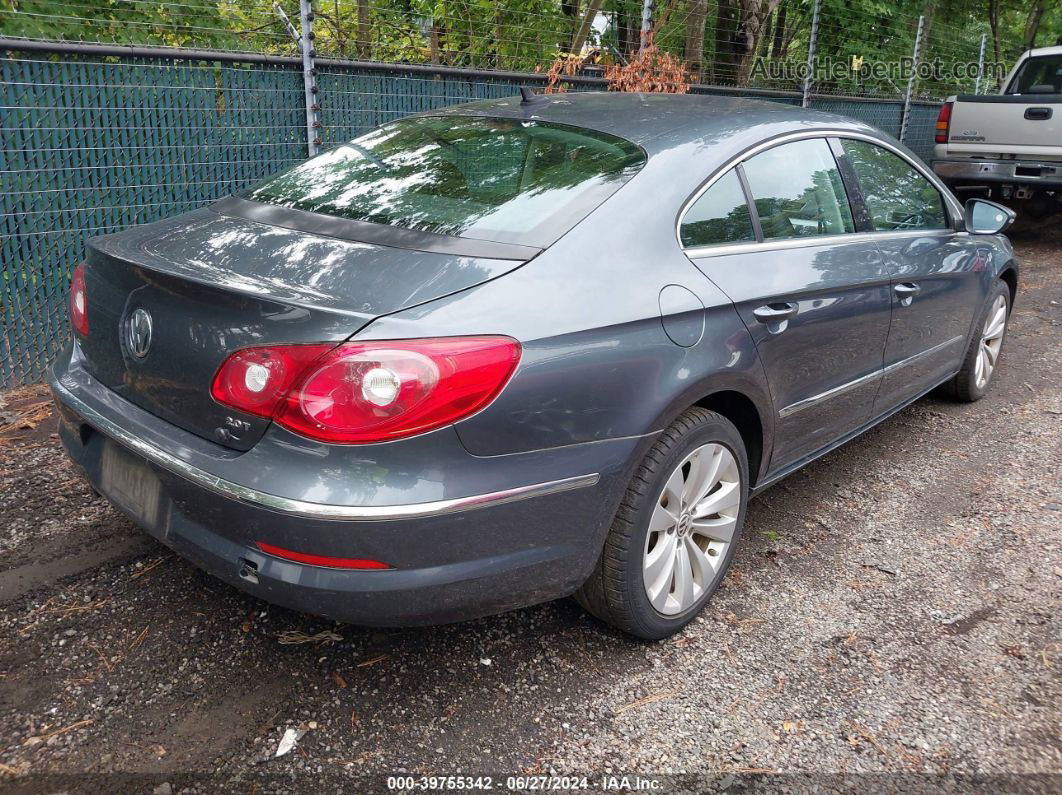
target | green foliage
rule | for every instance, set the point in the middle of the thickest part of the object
(523, 35)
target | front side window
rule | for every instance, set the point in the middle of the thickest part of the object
(720, 215)
(896, 195)
(1041, 74)
(798, 191)
(507, 180)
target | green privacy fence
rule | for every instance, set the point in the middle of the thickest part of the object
(94, 143)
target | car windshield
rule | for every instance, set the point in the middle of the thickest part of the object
(1038, 75)
(507, 180)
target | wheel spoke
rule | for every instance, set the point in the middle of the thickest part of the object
(704, 473)
(992, 352)
(703, 570)
(719, 529)
(659, 568)
(726, 496)
(994, 328)
(683, 579)
(979, 366)
(673, 490)
(662, 519)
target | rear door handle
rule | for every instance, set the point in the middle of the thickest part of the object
(775, 313)
(906, 291)
(776, 316)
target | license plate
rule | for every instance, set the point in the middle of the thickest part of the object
(130, 482)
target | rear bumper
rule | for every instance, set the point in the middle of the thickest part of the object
(963, 171)
(454, 558)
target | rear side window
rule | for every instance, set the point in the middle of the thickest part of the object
(896, 195)
(1039, 75)
(798, 191)
(720, 215)
(506, 180)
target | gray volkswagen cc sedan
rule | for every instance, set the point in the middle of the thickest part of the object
(521, 349)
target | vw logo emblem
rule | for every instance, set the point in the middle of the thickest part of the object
(138, 333)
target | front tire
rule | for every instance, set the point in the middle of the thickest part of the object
(982, 354)
(676, 530)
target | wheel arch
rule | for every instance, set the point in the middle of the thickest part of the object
(743, 412)
(1009, 274)
(741, 400)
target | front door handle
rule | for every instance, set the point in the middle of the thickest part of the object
(906, 291)
(774, 313)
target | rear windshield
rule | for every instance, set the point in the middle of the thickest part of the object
(1039, 75)
(507, 180)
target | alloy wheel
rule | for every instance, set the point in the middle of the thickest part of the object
(691, 527)
(991, 342)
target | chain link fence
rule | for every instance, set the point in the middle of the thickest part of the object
(121, 112)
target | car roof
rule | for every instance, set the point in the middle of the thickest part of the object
(1044, 51)
(662, 121)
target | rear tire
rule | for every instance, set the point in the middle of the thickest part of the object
(665, 520)
(981, 361)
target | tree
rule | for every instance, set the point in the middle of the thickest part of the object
(755, 16)
(1032, 24)
(694, 48)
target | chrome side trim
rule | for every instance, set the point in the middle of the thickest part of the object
(807, 242)
(310, 510)
(800, 405)
(921, 354)
(949, 200)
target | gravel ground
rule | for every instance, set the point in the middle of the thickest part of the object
(892, 621)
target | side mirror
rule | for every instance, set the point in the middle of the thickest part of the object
(987, 218)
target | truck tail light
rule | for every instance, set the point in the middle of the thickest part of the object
(943, 123)
(362, 392)
(79, 302)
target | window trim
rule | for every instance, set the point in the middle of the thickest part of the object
(803, 242)
(750, 203)
(857, 200)
(866, 207)
(750, 208)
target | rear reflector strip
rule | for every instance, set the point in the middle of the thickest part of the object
(321, 560)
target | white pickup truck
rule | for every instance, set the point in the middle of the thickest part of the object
(1008, 146)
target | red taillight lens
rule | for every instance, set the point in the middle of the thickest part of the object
(255, 380)
(943, 123)
(79, 302)
(362, 392)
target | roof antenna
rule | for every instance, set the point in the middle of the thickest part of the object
(529, 97)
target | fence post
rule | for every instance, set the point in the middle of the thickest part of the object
(309, 78)
(805, 98)
(905, 119)
(981, 64)
(647, 23)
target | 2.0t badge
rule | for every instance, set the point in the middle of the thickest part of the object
(138, 332)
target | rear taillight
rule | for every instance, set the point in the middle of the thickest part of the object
(79, 302)
(255, 380)
(943, 123)
(361, 392)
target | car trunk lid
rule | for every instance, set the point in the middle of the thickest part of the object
(211, 284)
